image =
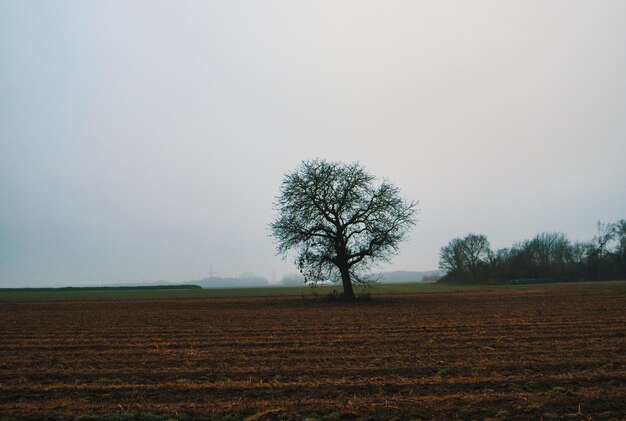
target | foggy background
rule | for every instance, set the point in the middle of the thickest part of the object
(147, 140)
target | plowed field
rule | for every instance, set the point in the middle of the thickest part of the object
(554, 351)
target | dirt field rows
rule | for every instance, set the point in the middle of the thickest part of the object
(556, 351)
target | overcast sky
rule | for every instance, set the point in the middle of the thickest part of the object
(147, 140)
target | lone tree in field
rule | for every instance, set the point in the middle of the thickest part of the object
(339, 221)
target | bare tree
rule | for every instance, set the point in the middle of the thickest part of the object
(620, 235)
(606, 233)
(462, 257)
(550, 251)
(339, 221)
(451, 258)
(476, 251)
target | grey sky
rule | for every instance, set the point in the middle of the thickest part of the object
(147, 140)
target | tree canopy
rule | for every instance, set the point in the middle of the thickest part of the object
(339, 221)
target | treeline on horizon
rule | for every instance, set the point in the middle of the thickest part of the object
(549, 256)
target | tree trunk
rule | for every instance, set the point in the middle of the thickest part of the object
(348, 292)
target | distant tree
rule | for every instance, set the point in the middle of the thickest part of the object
(580, 252)
(620, 235)
(464, 257)
(476, 252)
(548, 253)
(605, 234)
(339, 221)
(578, 264)
(451, 258)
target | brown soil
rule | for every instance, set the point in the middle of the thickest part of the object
(555, 351)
